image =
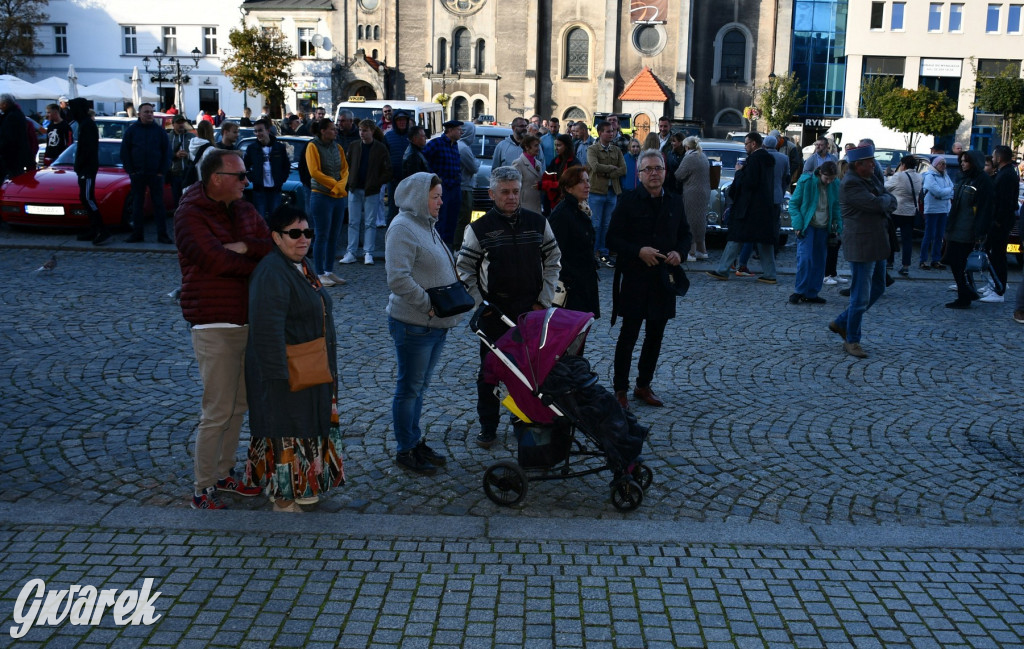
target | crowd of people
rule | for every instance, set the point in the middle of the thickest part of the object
(255, 274)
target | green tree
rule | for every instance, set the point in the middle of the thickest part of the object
(1003, 94)
(917, 112)
(261, 61)
(872, 93)
(778, 100)
(18, 42)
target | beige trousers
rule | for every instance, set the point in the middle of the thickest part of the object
(220, 353)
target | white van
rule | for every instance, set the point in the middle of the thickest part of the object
(854, 129)
(428, 115)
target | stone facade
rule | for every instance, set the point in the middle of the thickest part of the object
(566, 58)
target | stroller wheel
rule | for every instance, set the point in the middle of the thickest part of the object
(505, 483)
(627, 494)
(643, 475)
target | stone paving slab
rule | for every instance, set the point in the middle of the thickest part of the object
(285, 589)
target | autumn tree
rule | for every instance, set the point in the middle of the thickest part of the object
(778, 100)
(1003, 94)
(18, 42)
(872, 93)
(917, 112)
(260, 61)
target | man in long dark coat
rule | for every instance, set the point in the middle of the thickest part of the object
(648, 229)
(752, 217)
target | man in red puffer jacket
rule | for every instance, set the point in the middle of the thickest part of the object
(220, 240)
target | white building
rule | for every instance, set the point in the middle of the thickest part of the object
(107, 40)
(936, 44)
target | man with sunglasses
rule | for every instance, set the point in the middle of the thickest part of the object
(220, 241)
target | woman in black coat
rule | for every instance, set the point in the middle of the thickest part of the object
(295, 450)
(574, 232)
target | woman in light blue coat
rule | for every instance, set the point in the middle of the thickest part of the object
(814, 211)
(938, 192)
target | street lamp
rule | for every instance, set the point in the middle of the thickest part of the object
(445, 80)
(173, 71)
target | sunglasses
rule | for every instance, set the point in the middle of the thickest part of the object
(240, 175)
(295, 233)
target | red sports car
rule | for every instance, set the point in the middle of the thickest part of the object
(50, 196)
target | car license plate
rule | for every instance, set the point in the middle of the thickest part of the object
(45, 210)
(1013, 248)
(475, 214)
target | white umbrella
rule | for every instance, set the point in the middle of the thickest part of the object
(136, 87)
(54, 86)
(114, 90)
(72, 82)
(179, 99)
(22, 90)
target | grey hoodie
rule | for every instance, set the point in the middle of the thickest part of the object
(417, 258)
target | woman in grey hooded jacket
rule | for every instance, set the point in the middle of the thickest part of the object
(417, 259)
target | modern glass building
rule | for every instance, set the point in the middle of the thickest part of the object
(819, 62)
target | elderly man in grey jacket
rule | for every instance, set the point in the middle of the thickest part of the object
(865, 207)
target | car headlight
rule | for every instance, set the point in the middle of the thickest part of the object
(714, 218)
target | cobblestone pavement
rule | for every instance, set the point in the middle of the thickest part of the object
(768, 426)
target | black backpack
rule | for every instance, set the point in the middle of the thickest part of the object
(304, 176)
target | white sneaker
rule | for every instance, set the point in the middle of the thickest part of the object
(368, 259)
(830, 281)
(992, 296)
(702, 256)
(349, 258)
(326, 280)
(841, 279)
(985, 291)
(691, 258)
(339, 281)
(952, 287)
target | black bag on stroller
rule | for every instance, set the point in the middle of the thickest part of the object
(574, 388)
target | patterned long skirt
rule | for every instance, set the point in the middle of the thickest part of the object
(296, 467)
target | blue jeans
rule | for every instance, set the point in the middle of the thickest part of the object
(732, 250)
(931, 244)
(266, 202)
(811, 250)
(362, 213)
(601, 206)
(866, 285)
(155, 184)
(327, 214)
(418, 349)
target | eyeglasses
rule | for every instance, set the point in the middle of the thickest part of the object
(656, 169)
(295, 233)
(240, 175)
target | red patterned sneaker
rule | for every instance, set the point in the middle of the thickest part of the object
(231, 485)
(208, 500)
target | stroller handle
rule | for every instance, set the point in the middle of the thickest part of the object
(474, 322)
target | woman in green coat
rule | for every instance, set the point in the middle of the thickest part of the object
(814, 212)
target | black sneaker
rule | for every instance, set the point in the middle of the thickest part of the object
(845, 292)
(813, 300)
(487, 438)
(428, 454)
(905, 271)
(795, 298)
(716, 275)
(409, 461)
(609, 262)
(102, 238)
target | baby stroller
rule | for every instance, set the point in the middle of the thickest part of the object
(553, 393)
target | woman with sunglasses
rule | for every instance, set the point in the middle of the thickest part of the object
(295, 451)
(417, 260)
